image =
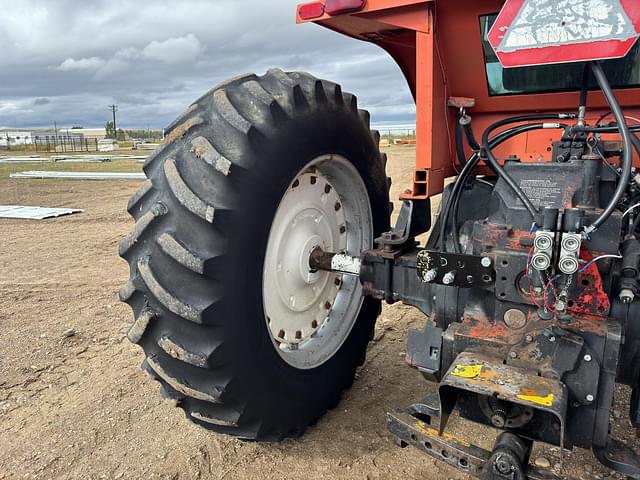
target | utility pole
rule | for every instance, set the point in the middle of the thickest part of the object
(114, 109)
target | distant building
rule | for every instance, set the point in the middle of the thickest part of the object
(107, 145)
(97, 133)
(9, 138)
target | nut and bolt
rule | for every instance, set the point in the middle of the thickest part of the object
(431, 275)
(503, 465)
(448, 278)
(587, 358)
(552, 339)
(626, 296)
(589, 398)
(561, 305)
(486, 262)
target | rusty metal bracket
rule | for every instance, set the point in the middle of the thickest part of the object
(489, 376)
(415, 427)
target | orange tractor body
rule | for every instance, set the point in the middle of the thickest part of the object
(438, 45)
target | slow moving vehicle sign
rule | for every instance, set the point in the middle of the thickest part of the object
(542, 32)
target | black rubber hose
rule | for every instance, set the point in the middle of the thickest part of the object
(584, 93)
(475, 159)
(471, 139)
(613, 129)
(469, 168)
(634, 138)
(493, 161)
(627, 157)
(459, 144)
(636, 222)
(463, 125)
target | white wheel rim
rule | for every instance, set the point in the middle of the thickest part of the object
(310, 315)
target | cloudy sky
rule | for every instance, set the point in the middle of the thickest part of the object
(66, 61)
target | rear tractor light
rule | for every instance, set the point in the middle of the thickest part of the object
(336, 7)
(309, 11)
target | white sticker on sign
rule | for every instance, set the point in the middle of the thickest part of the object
(544, 23)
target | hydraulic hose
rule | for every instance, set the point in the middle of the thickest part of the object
(627, 157)
(471, 139)
(493, 161)
(463, 126)
(475, 159)
(584, 95)
(459, 145)
(634, 138)
(471, 164)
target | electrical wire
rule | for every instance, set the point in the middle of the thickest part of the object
(591, 262)
(628, 117)
(630, 209)
(527, 274)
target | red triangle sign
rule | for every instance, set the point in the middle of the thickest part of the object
(543, 32)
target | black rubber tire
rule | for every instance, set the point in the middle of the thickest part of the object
(196, 251)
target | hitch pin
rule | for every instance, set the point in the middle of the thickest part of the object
(333, 262)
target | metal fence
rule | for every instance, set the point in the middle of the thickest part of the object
(65, 144)
(392, 131)
(52, 143)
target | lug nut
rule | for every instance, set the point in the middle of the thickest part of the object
(448, 278)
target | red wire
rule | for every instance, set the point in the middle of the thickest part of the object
(526, 274)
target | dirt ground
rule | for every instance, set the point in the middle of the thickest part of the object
(74, 405)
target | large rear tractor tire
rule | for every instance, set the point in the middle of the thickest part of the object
(234, 325)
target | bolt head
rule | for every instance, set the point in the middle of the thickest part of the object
(552, 339)
(626, 296)
(529, 338)
(589, 398)
(513, 354)
(448, 278)
(587, 358)
(485, 262)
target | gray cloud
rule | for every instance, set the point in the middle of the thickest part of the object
(66, 64)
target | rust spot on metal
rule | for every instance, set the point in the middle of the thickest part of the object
(591, 297)
(432, 432)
